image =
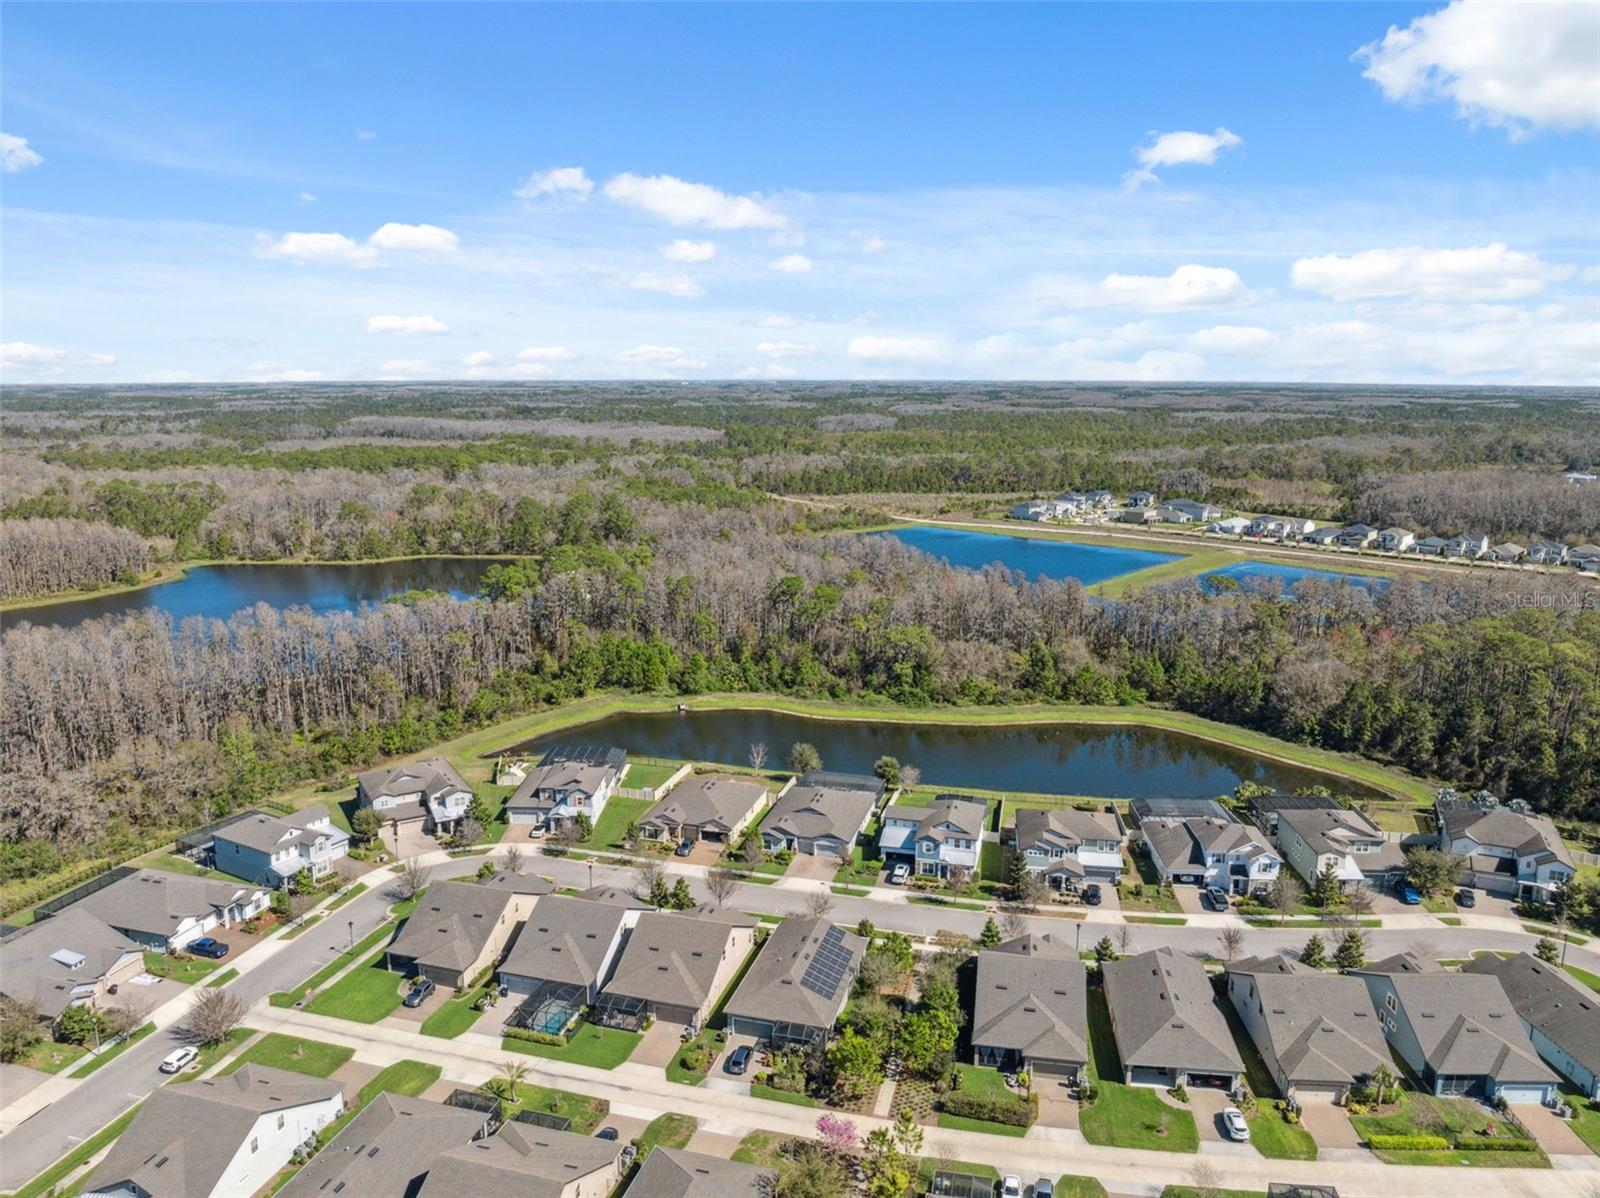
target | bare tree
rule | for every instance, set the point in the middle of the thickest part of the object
(213, 1014)
(758, 755)
(649, 879)
(751, 851)
(959, 879)
(1205, 1180)
(1232, 942)
(1013, 923)
(412, 879)
(1124, 938)
(1287, 894)
(513, 860)
(819, 903)
(910, 777)
(720, 884)
(1359, 899)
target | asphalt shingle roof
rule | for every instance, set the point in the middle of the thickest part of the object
(772, 987)
(1164, 1013)
(1032, 998)
(1465, 1024)
(520, 1159)
(677, 1173)
(155, 903)
(719, 802)
(1549, 999)
(565, 940)
(1320, 1026)
(672, 958)
(451, 925)
(386, 1149)
(29, 968)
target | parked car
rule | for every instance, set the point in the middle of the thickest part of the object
(179, 1059)
(606, 1133)
(419, 992)
(1092, 896)
(207, 947)
(738, 1060)
(1233, 1123)
(1410, 895)
(1011, 1186)
(1044, 1188)
(1217, 897)
(1466, 898)
(899, 875)
(685, 847)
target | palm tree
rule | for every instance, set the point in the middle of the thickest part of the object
(512, 1074)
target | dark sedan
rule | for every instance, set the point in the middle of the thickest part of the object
(207, 947)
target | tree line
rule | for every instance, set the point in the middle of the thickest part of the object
(38, 557)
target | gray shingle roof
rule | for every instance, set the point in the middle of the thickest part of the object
(1528, 835)
(676, 1173)
(432, 778)
(1337, 830)
(1551, 1000)
(811, 810)
(566, 768)
(520, 1159)
(1320, 1026)
(1064, 827)
(268, 833)
(1465, 1024)
(1187, 842)
(1031, 1001)
(1164, 1013)
(565, 940)
(450, 926)
(155, 903)
(776, 985)
(29, 964)
(385, 1150)
(964, 815)
(718, 802)
(673, 958)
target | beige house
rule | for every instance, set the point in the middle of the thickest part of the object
(70, 959)
(457, 931)
(675, 965)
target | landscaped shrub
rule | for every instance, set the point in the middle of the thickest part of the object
(1497, 1144)
(992, 1108)
(696, 1056)
(533, 1037)
(1408, 1143)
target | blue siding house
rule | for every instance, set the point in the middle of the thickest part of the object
(269, 850)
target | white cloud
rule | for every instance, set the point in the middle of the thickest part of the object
(546, 353)
(873, 245)
(1518, 67)
(16, 154)
(1521, 344)
(1231, 339)
(669, 357)
(768, 371)
(896, 349)
(404, 368)
(682, 203)
(684, 250)
(681, 286)
(306, 197)
(563, 182)
(509, 370)
(365, 134)
(1484, 272)
(1180, 148)
(410, 326)
(321, 249)
(776, 321)
(25, 355)
(286, 376)
(785, 349)
(415, 239)
(1189, 286)
(791, 264)
(480, 357)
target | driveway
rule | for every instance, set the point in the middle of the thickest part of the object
(817, 869)
(440, 996)
(1208, 1105)
(1329, 1126)
(1057, 1107)
(660, 1044)
(1190, 899)
(1555, 1136)
(722, 1057)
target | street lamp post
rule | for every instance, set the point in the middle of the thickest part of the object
(351, 924)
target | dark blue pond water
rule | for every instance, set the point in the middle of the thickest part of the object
(1245, 572)
(1089, 564)
(219, 591)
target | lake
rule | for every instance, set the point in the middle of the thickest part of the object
(1033, 557)
(219, 591)
(1287, 576)
(1103, 760)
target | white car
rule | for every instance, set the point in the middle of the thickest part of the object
(899, 875)
(179, 1059)
(1233, 1123)
(1011, 1186)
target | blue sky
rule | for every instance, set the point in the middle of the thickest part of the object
(1343, 192)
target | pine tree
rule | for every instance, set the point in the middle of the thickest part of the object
(1325, 889)
(682, 900)
(1105, 950)
(990, 937)
(1547, 950)
(1314, 953)
(1352, 951)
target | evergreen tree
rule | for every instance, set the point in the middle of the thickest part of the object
(1314, 953)
(1104, 950)
(1547, 950)
(1352, 951)
(990, 937)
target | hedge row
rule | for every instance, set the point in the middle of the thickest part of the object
(992, 1108)
(1485, 1144)
(533, 1037)
(1408, 1143)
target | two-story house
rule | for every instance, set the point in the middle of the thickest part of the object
(935, 839)
(1396, 540)
(1206, 851)
(1506, 852)
(1468, 545)
(1338, 838)
(1547, 553)
(1356, 536)
(429, 795)
(568, 782)
(1069, 847)
(270, 851)
(822, 814)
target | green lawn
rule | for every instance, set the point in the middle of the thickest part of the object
(287, 998)
(210, 1054)
(44, 1185)
(688, 1077)
(187, 970)
(222, 979)
(403, 1077)
(1585, 1118)
(666, 1131)
(963, 1123)
(304, 926)
(364, 995)
(278, 1051)
(929, 1165)
(1591, 980)
(759, 1090)
(991, 861)
(1128, 1116)
(859, 870)
(1460, 1117)
(1191, 1192)
(614, 821)
(1277, 1139)
(585, 1113)
(115, 1051)
(931, 900)
(355, 891)
(456, 1016)
(48, 1056)
(1071, 1185)
(761, 1148)
(644, 775)
(601, 1047)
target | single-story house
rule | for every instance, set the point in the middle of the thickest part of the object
(1141, 499)
(569, 781)
(1195, 510)
(1507, 852)
(1174, 515)
(1069, 847)
(713, 809)
(270, 850)
(1458, 1032)
(822, 814)
(933, 840)
(1030, 1008)
(1033, 509)
(529, 1161)
(218, 1137)
(1327, 535)
(1430, 546)
(1507, 552)
(675, 965)
(1314, 839)
(1547, 553)
(1585, 557)
(566, 943)
(1316, 1031)
(1205, 851)
(1168, 1027)
(71, 959)
(428, 794)
(1561, 1016)
(1396, 540)
(799, 982)
(457, 931)
(1356, 536)
(678, 1173)
(168, 911)
(1233, 526)
(388, 1148)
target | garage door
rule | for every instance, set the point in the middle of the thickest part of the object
(1214, 1081)
(1053, 1068)
(1146, 1076)
(1522, 1093)
(1328, 1093)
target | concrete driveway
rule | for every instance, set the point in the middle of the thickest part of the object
(660, 1044)
(1057, 1107)
(817, 869)
(1191, 899)
(1329, 1125)
(1555, 1136)
(1208, 1105)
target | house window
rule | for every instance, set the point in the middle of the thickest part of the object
(253, 1144)
(280, 1121)
(1388, 1001)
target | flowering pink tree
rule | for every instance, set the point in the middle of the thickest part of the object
(837, 1134)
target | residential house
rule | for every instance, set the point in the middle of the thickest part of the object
(1507, 553)
(1547, 553)
(1468, 545)
(677, 1173)
(1030, 1008)
(1430, 546)
(1199, 512)
(429, 795)
(1069, 847)
(799, 982)
(1233, 526)
(270, 850)
(168, 911)
(1314, 840)
(518, 884)
(1316, 1032)
(1284, 528)
(1458, 1032)
(1165, 808)
(1136, 515)
(529, 1161)
(388, 1148)
(568, 782)
(1356, 536)
(1506, 852)
(1141, 499)
(1168, 1027)
(1100, 499)
(1174, 515)
(1266, 808)
(1560, 1015)
(822, 814)
(1585, 557)
(712, 809)
(219, 1137)
(567, 946)
(675, 965)
(1206, 851)
(1396, 540)
(938, 838)
(457, 931)
(1033, 509)
(71, 959)
(1323, 537)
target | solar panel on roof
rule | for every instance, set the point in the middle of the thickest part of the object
(828, 965)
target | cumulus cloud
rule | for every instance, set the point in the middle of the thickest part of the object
(561, 182)
(1485, 272)
(404, 368)
(896, 349)
(415, 239)
(785, 349)
(25, 355)
(335, 249)
(668, 357)
(1518, 67)
(679, 202)
(1179, 148)
(16, 154)
(769, 371)
(684, 250)
(480, 357)
(1189, 286)
(306, 197)
(546, 353)
(681, 286)
(1231, 339)
(791, 264)
(492, 369)
(1527, 345)
(776, 320)
(409, 326)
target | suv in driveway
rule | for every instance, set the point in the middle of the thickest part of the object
(207, 947)
(418, 994)
(1217, 897)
